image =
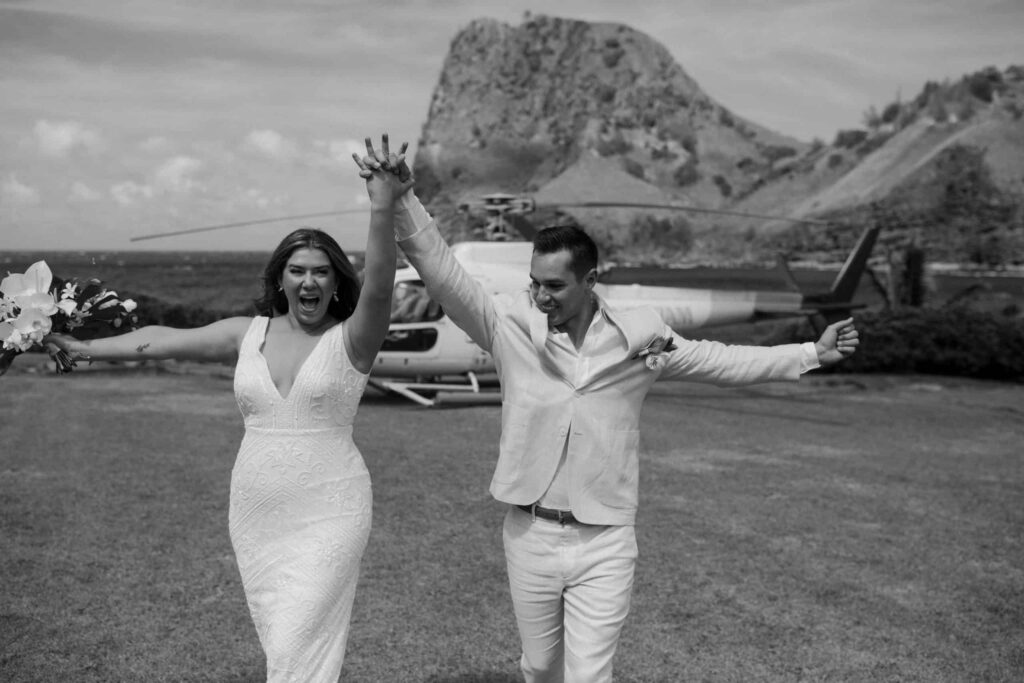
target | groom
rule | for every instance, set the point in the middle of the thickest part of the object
(574, 373)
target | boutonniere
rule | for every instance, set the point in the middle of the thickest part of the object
(653, 354)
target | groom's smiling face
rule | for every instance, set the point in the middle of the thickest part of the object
(556, 289)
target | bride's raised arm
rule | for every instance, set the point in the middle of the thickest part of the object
(368, 324)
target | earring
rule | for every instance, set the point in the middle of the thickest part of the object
(280, 288)
(335, 295)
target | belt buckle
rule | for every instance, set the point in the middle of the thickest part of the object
(562, 517)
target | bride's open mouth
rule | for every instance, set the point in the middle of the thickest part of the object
(308, 302)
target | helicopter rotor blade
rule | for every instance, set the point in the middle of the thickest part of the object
(241, 224)
(676, 207)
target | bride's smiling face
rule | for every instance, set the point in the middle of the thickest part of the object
(309, 281)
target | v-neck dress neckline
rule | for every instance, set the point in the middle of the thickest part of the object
(261, 345)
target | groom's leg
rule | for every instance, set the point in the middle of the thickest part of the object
(597, 601)
(536, 583)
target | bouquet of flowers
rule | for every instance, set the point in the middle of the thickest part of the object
(34, 304)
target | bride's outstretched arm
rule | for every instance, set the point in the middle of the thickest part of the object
(218, 341)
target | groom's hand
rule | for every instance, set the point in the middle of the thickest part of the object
(839, 340)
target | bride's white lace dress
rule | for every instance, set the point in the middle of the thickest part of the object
(300, 505)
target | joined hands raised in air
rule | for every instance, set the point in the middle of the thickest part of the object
(387, 175)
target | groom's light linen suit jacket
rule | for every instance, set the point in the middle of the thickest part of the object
(541, 407)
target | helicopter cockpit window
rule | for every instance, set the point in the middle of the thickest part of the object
(410, 304)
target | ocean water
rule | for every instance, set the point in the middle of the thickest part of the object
(230, 280)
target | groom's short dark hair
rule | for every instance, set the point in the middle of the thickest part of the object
(569, 238)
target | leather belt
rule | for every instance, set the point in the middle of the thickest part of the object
(560, 516)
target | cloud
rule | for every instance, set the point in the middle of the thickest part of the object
(59, 139)
(256, 197)
(16, 193)
(175, 175)
(338, 152)
(129, 192)
(319, 154)
(80, 192)
(271, 144)
(156, 144)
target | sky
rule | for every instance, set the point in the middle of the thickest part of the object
(127, 118)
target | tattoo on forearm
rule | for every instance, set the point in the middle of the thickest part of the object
(142, 347)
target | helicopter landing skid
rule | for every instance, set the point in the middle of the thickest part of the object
(412, 390)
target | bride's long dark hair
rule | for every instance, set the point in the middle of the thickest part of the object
(273, 302)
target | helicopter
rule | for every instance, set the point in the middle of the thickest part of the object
(426, 356)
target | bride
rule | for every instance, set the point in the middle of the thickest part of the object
(300, 501)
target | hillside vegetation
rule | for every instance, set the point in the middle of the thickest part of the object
(947, 166)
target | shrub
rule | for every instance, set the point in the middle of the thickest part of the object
(937, 110)
(611, 56)
(980, 87)
(925, 96)
(873, 143)
(687, 173)
(723, 185)
(633, 168)
(850, 138)
(676, 129)
(775, 152)
(605, 93)
(689, 143)
(663, 152)
(891, 112)
(615, 144)
(154, 311)
(964, 110)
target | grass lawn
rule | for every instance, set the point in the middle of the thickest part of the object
(842, 529)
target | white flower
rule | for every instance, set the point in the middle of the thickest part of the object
(653, 361)
(33, 281)
(31, 289)
(41, 302)
(29, 328)
(654, 354)
(70, 289)
(129, 305)
(68, 306)
(29, 294)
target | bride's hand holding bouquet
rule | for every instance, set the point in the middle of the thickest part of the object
(35, 306)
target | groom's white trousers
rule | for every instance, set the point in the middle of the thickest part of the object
(571, 586)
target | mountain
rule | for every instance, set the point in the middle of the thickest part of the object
(571, 111)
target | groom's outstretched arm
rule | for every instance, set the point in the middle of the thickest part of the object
(463, 298)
